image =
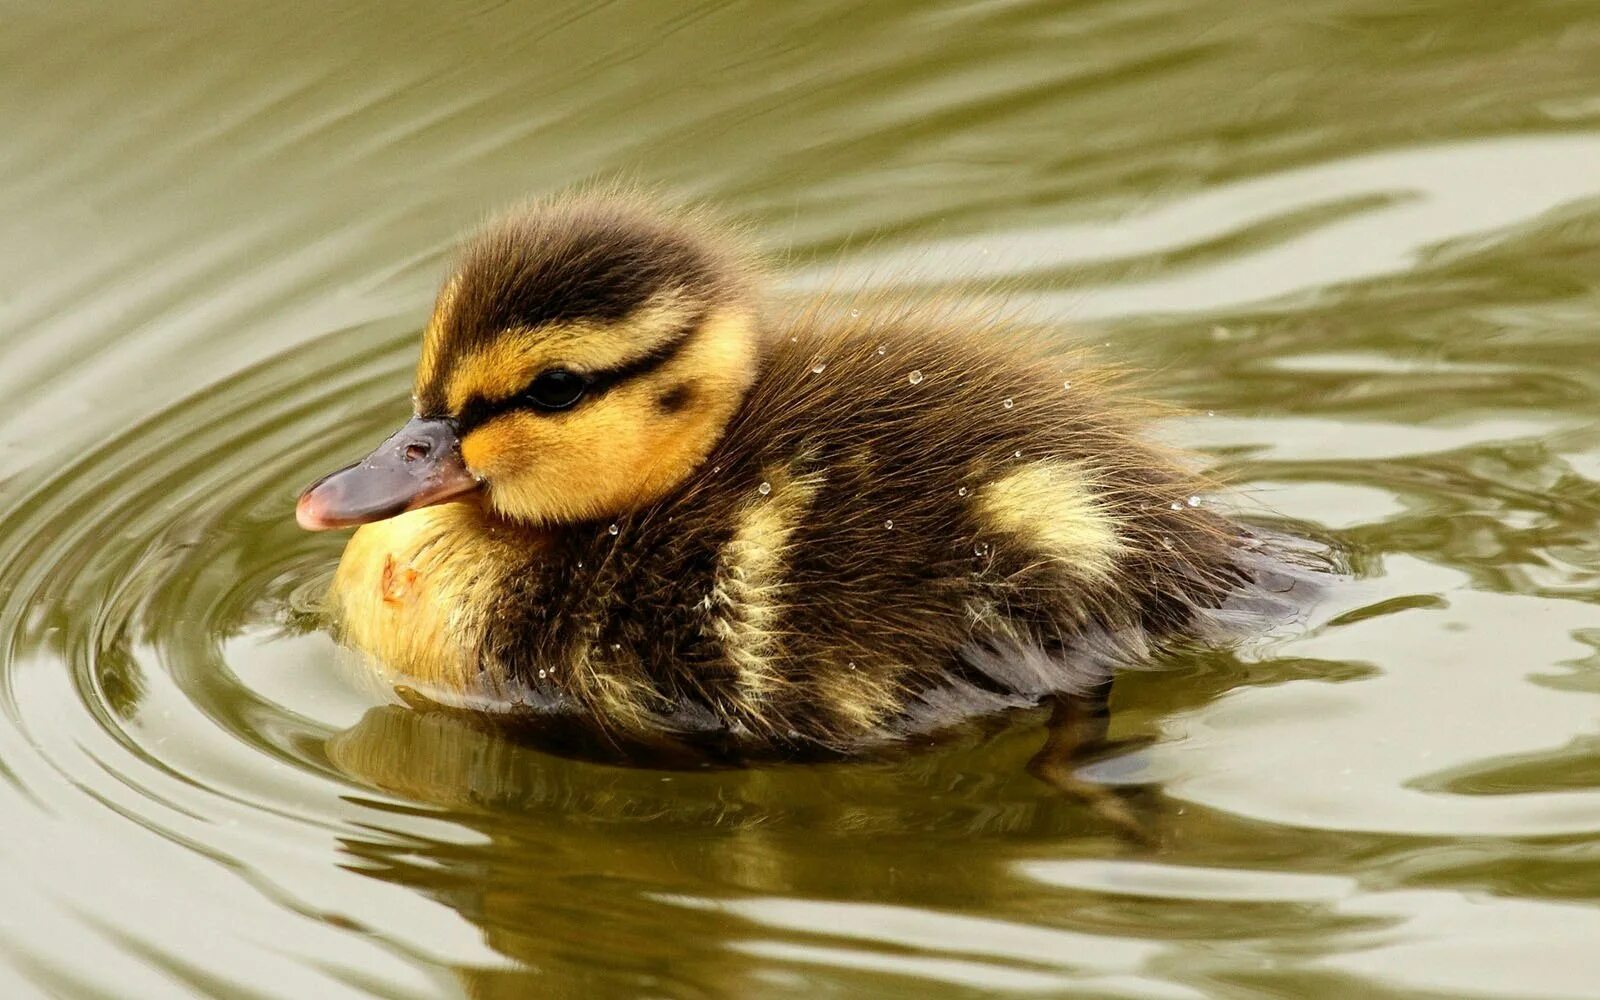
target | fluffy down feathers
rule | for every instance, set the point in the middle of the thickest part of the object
(898, 518)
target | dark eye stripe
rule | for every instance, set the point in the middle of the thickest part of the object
(478, 410)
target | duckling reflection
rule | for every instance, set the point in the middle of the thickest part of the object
(551, 898)
(635, 497)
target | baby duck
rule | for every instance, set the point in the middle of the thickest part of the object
(636, 500)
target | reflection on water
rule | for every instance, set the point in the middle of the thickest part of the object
(1361, 242)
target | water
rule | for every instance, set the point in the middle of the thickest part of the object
(1363, 237)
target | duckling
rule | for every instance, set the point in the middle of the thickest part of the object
(639, 499)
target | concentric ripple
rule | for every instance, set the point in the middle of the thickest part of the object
(137, 566)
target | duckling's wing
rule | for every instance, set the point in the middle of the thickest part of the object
(1287, 576)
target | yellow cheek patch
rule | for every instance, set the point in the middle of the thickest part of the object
(596, 460)
(720, 359)
(1052, 506)
(620, 450)
(493, 448)
(558, 467)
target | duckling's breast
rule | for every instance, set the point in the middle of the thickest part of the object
(413, 592)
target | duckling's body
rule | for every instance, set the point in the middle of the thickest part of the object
(897, 520)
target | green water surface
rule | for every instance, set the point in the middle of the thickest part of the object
(1358, 239)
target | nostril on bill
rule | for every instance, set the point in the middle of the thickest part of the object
(417, 450)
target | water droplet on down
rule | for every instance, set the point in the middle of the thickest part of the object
(764, 488)
(961, 492)
(611, 530)
(889, 525)
(818, 368)
(1007, 404)
(914, 378)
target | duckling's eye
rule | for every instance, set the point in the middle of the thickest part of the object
(555, 390)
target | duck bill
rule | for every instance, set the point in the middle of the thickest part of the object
(419, 465)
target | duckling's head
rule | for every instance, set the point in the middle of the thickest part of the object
(582, 360)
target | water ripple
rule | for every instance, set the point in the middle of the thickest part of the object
(220, 233)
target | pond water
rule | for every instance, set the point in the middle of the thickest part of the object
(1359, 240)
